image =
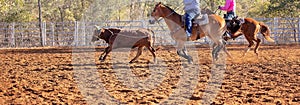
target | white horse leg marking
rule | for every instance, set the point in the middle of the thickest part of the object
(187, 56)
(246, 50)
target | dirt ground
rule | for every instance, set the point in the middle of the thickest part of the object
(67, 76)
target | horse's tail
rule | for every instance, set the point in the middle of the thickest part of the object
(264, 29)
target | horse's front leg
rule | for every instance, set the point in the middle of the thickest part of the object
(180, 47)
(225, 50)
(183, 53)
(216, 50)
(187, 56)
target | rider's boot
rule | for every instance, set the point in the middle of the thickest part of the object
(188, 36)
(227, 36)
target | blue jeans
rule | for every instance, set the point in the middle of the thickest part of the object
(189, 16)
(229, 16)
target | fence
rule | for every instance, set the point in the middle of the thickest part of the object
(283, 31)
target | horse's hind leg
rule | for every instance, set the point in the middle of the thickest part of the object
(225, 50)
(258, 41)
(187, 56)
(139, 53)
(216, 51)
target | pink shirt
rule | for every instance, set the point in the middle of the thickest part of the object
(229, 6)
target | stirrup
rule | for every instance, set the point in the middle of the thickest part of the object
(188, 38)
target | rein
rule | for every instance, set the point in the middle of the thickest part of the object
(112, 34)
(158, 20)
(170, 13)
(178, 28)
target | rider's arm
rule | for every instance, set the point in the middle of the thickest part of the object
(187, 2)
(226, 6)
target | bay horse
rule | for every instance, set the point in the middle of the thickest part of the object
(250, 28)
(214, 29)
(124, 38)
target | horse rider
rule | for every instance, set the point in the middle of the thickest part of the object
(229, 7)
(192, 11)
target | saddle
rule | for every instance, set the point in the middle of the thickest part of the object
(234, 24)
(199, 20)
(196, 22)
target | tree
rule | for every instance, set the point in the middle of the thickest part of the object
(283, 8)
(278, 8)
(15, 11)
(40, 22)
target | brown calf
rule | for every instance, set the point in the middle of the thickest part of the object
(123, 38)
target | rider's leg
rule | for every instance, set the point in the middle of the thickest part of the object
(189, 16)
(227, 34)
(188, 25)
(228, 19)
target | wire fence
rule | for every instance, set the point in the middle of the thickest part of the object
(283, 31)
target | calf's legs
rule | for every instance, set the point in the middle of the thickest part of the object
(106, 51)
(139, 53)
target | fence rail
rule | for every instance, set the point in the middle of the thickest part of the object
(283, 31)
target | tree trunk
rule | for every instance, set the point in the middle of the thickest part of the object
(61, 11)
(40, 22)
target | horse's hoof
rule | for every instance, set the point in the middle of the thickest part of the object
(154, 61)
(101, 58)
(131, 62)
(190, 61)
(216, 58)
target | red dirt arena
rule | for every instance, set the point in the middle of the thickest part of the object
(48, 76)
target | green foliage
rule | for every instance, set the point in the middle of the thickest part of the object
(52, 10)
(14, 11)
(282, 8)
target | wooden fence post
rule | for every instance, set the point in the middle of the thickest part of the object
(76, 33)
(275, 24)
(83, 33)
(44, 30)
(13, 40)
(299, 30)
(52, 34)
(21, 31)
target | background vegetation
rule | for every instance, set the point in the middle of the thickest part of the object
(95, 10)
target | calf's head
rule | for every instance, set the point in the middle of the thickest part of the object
(97, 33)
